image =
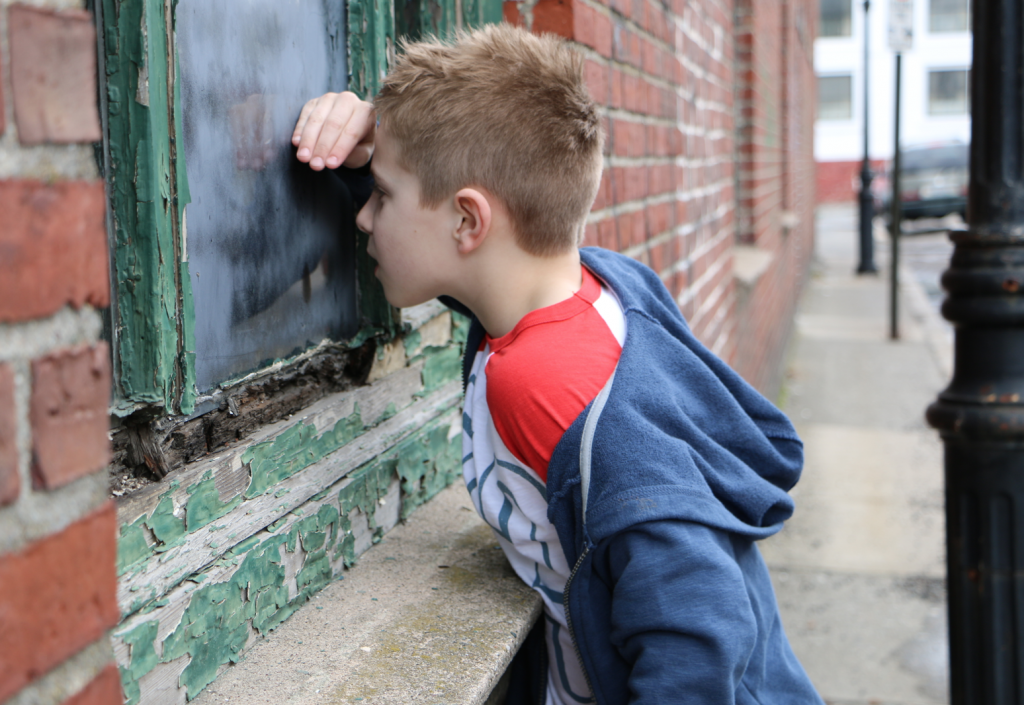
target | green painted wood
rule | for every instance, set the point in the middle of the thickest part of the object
(143, 191)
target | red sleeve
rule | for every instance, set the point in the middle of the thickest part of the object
(537, 386)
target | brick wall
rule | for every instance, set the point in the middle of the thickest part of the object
(709, 109)
(57, 527)
(662, 73)
(775, 91)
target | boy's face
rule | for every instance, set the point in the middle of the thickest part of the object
(411, 244)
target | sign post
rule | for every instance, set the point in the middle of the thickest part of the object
(901, 38)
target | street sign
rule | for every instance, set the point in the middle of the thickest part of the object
(901, 25)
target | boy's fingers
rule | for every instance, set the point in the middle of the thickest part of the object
(333, 129)
(300, 124)
(336, 118)
(311, 130)
(354, 145)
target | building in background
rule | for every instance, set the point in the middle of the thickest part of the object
(936, 78)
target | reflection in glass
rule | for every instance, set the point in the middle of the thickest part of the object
(270, 243)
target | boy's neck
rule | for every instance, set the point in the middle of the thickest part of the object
(507, 283)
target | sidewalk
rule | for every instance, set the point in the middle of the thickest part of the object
(859, 570)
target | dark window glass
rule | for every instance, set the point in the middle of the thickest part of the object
(948, 92)
(834, 97)
(270, 245)
(949, 15)
(836, 18)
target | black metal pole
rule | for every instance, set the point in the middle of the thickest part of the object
(895, 219)
(981, 414)
(867, 205)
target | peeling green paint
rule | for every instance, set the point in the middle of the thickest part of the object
(143, 654)
(460, 328)
(146, 205)
(204, 503)
(214, 627)
(296, 448)
(165, 526)
(442, 366)
(132, 546)
(389, 411)
(130, 686)
(412, 341)
(427, 464)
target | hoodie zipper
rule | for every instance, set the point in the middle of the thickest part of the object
(568, 622)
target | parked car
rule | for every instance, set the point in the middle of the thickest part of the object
(933, 181)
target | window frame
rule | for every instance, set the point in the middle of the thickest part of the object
(152, 311)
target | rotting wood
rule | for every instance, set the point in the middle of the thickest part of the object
(207, 543)
(173, 441)
(144, 449)
(373, 401)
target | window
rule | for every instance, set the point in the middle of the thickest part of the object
(948, 92)
(226, 253)
(836, 18)
(270, 243)
(949, 15)
(835, 97)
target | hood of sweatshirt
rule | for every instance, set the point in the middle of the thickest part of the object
(676, 433)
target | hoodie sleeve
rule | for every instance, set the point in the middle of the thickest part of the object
(681, 616)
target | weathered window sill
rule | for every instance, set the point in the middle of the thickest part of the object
(431, 614)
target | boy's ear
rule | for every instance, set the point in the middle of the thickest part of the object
(474, 211)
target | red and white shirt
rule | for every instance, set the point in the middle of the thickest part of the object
(525, 389)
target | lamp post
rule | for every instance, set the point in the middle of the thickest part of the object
(980, 415)
(867, 204)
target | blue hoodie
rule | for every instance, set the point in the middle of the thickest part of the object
(658, 491)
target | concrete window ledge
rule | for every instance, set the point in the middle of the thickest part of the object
(432, 614)
(749, 264)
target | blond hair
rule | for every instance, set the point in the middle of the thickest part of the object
(504, 110)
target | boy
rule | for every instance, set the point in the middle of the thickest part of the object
(625, 470)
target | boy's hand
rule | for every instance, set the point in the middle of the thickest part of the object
(335, 129)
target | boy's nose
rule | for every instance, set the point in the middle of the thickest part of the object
(364, 221)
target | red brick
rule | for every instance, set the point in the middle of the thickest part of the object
(53, 75)
(596, 77)
(68, 412)
(3, 114)
(510, 13)
(10, 483)
(104, 689)
(59, 596)
(607, 235)
(554, 17)
(592, 28)
(53, 247)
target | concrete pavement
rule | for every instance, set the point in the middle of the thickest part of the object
(859, 570)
